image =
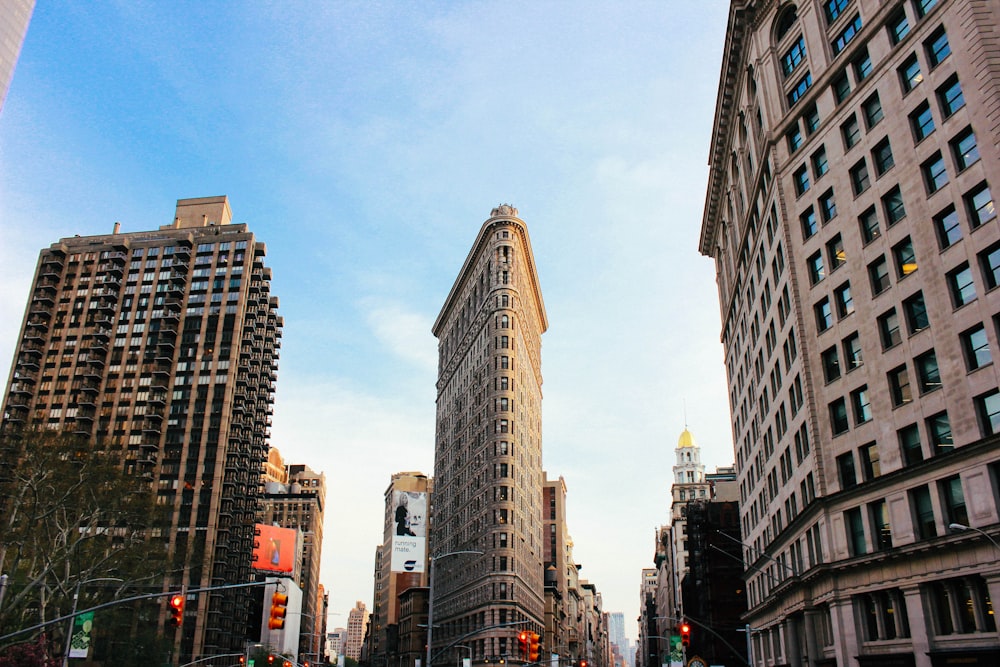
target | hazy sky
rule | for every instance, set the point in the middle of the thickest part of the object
(366, 143)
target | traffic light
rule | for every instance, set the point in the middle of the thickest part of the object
(583, 663)
(533, 646)
(685, 634)
(176, 610)
(270, 659)
(278, 611)
(522, 642)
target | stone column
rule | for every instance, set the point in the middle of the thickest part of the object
(921, 627)
(812, 650)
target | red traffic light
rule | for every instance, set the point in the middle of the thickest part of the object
(533, 649)
(522, 642)
(685, 634)
(176, 609)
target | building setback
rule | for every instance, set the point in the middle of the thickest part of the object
(162, 345)
(488, 447)
(851, 216)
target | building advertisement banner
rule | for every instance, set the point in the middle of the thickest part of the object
(274, 548)
(409, 540)
(80, 640)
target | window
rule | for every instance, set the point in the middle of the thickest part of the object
(838, 419)
(898, 27)
(979, 203)
(960, 284)
(924, 6)
(845, 304)
(873, 111)
(899, 386)
(950, 97)
(878, 273)
(909, 73)
(794, 56)
(855, 526)
(841, 87)
(824, 316)
(922, 121)
(916, 313)
(815, 265)
(881, 535)
(888, 327)
(827, 206)
(923, 513)
(965, 150)
(801, 179)
(909, 444)
(831, 364)
(808, 220)
(935, 174)
(928, 373)
(834, 8)
(868, 222)
(859, 177)
(939, 430)
(862, 65)
(953, 500)
(852, 352)
(892, 202)
(851, 132)
(794, 137)
(904, 257)
(988, 411)
(882, 155)
(846, 35)
(819, 163)
(788, 19)
(861, 405)
(976, 348)
(948, 229)
(835, 252)
(796, 93)
(871, 466)
(937, 47)
(989, 261)
(811, 119)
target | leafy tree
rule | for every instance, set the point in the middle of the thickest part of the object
(70, 514)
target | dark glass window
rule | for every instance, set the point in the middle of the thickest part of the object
(862, 65)
(939, 430)
(961, 286)
(878, 272)
(979, 203)
(898, 27)
(976, 347)
(852, 352)
(873, 111)
(794, 137)
(924, 6)
(816, 270)
(937, 47)
(923, 513)
(882, 155)
(916, 313)
(892, 202)
(953, 502)
(928, 373)
(824, 315)
(796, 93)
(811, 119)
(820, 163)
(909, 444)
(827, 206)
(851, 132)
(834, 8)
(888, 327)
(801, 179)
(831, 364)
(922, 121)
(989, 261)
(868, 222)
(794, 56)
(904, 258)
(988, 411)
(854, 523)
(859, 177)
(899, 385)
(835, 252)
(935, 174)
(950, 96)
(808, 220)
(947, 226)
(881, 534)
(841, 87)
(965, 149)
(845, 304)
(861, 404)
(838, 417)
(871, 466)
(910, 74)
(845, 36)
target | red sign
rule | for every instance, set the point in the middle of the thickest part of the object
(273, 548)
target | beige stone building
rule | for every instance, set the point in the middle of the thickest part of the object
(357, 625)
(163, 345)
(488, 446)
(15, 15)
(851, 217)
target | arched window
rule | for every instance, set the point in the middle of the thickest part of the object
(785, 21)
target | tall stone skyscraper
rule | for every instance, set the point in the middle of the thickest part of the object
(852, 218)
(162, 345)
(488, 445)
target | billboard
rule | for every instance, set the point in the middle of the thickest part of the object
(409, 536)
(274, 548)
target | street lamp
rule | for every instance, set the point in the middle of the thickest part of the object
(959, 527)
(468, 648)
(430, 595)
(72, 613)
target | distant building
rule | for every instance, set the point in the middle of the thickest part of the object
(357, 623)
(14, 18)
(851, 215)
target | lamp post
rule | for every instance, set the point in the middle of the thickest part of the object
(430, 595)
(959, 527)
(72, 613)
(468, 648)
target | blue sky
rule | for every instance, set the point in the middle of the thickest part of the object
(366, 143)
